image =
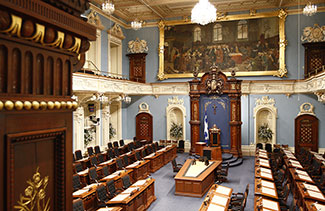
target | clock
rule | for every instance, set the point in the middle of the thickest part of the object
(143, 107)
(306, 108)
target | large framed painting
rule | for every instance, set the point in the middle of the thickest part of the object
(250, 45)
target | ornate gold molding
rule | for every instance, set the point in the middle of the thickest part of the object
(34, 197)
(282, 72)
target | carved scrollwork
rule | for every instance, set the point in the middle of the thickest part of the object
(313, 34)
(214, 85)
(137, 46)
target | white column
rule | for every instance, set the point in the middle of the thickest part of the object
(106, 119)
(98, 130)
(78, 128)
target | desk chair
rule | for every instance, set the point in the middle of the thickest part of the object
(105, 171)
(180, 147)
(102, 196)
(222, 174)
(93, 160)
(78, 205)
(131, 146)
(100, 158)
(259, 146)
(97, 149)
(121, 143)
(90, 151)
(110, 154)
(239, 199)
(119, 163)
(126, 182)
(125, 160)
(268, 148)
(176, 167)
(76, 184)
(115, 144)
(112, 190)
(110, 145)
(154, 147)
(77, 167)
(93, 176)
(116, 152)
(78, 155)
(137, 155)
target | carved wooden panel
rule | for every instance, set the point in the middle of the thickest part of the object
(314, 58)
(144, 126)
(138, 67)
(306, 132)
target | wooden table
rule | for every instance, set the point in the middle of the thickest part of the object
(265, 188)
(195, 186)
(265, 204)
(218, 198)
(140, 169)
(137, 197)
(88, 196)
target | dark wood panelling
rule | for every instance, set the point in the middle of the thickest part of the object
(3, 68)
(144, 126)
(306, 133)
(28, 73)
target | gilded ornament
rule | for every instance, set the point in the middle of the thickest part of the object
(19, 105)
(27, 105)
(35, 105)
(39, 34)
(43, 105)
(74, 105)
(69, 105)
(1, 105)
(63, 105)
(9, 105)
(50, 105)
(76, 46)
(15, 26)
(28, 28)
(57, 105)
(35, 195)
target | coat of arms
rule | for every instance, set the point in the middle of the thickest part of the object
(213, 84)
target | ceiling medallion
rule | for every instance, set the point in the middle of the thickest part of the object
(309, 9)
(108, 7)
(203, 13)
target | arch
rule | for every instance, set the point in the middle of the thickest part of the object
(175, 113)
(265, 113)
(217, 32)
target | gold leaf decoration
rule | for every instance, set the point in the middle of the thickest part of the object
(35, 195)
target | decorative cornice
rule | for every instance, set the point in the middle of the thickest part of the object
(265, 100)
(175, 101)
(116, 31)
(94, 19)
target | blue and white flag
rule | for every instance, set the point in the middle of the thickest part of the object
(206, 130)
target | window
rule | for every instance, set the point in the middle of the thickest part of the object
(197, 34)
(242, 29)
(93, 54)
(217, 32)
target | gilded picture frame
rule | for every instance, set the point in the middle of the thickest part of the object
(165, 72)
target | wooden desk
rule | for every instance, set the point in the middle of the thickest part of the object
(293, 164)
(313, 206)
(169, 153)
(84, 178)
(262, 155)
(215, 152)
(140, 169)
(218, 198)
(156, 161)
(264, 173)
(111, 164)
(265, 204)
(199, 148)
(312, 192)
(117, 177)
(265, 188)
(262, 162)
(300, 175)
(88, 196)
(110, 209)
(85, 162)
(195, 186)
(137, 197)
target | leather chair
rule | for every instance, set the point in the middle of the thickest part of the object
(112, 190)
(222, 174)
(76, 184)
(110, 154)
(110, 145)
(97, 149)
(126, 182)
(176, 167)
(131, 146)
(77, 167)
(93, 161)
(119, 163)
(259, 146)
(125, 160)
(116, 152)
(181, 144)
(237, 199)
(78, 155)
(121, 142)
(137, 155)
(90, 151)
(93, 177)
(105, 171)
(102, 196)
(115, 144)
(268, 148)
(100, 158)
(78, 205)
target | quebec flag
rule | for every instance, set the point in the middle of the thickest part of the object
(206, 130)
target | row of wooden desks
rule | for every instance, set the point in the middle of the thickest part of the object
(303, 187)
(265, 189)
(217, 199)
(137, 197)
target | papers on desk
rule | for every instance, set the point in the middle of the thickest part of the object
(106, 162)
(111, 176)
(263, 155)
(118, 172)
(311, 187)
(314, 194)
(267, 184)
(297, 165)
(90, 186)
(197, 169)
(83, 172)
(268, 191)
(220, 200)
(270, 204)
(266, 175)
(130, 190)
(319, 207)
(301, 172)
(120, 197)
(304, 177)
(265, 170)
(79, 192)
(214, 207)
(295, 162)
(106, 209)
(150, 156)
(223, 190)
(133, 165)
(140, 182)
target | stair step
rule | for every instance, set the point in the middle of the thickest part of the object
(232, 160)
(238, 162)
(226, 156)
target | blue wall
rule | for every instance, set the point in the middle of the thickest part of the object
(288, 108)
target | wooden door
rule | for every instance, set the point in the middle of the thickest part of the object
(306, 132)
(144, 126)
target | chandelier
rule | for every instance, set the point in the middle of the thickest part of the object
(309, 9)
(108, 7)
(203, 13)
(136, 24)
